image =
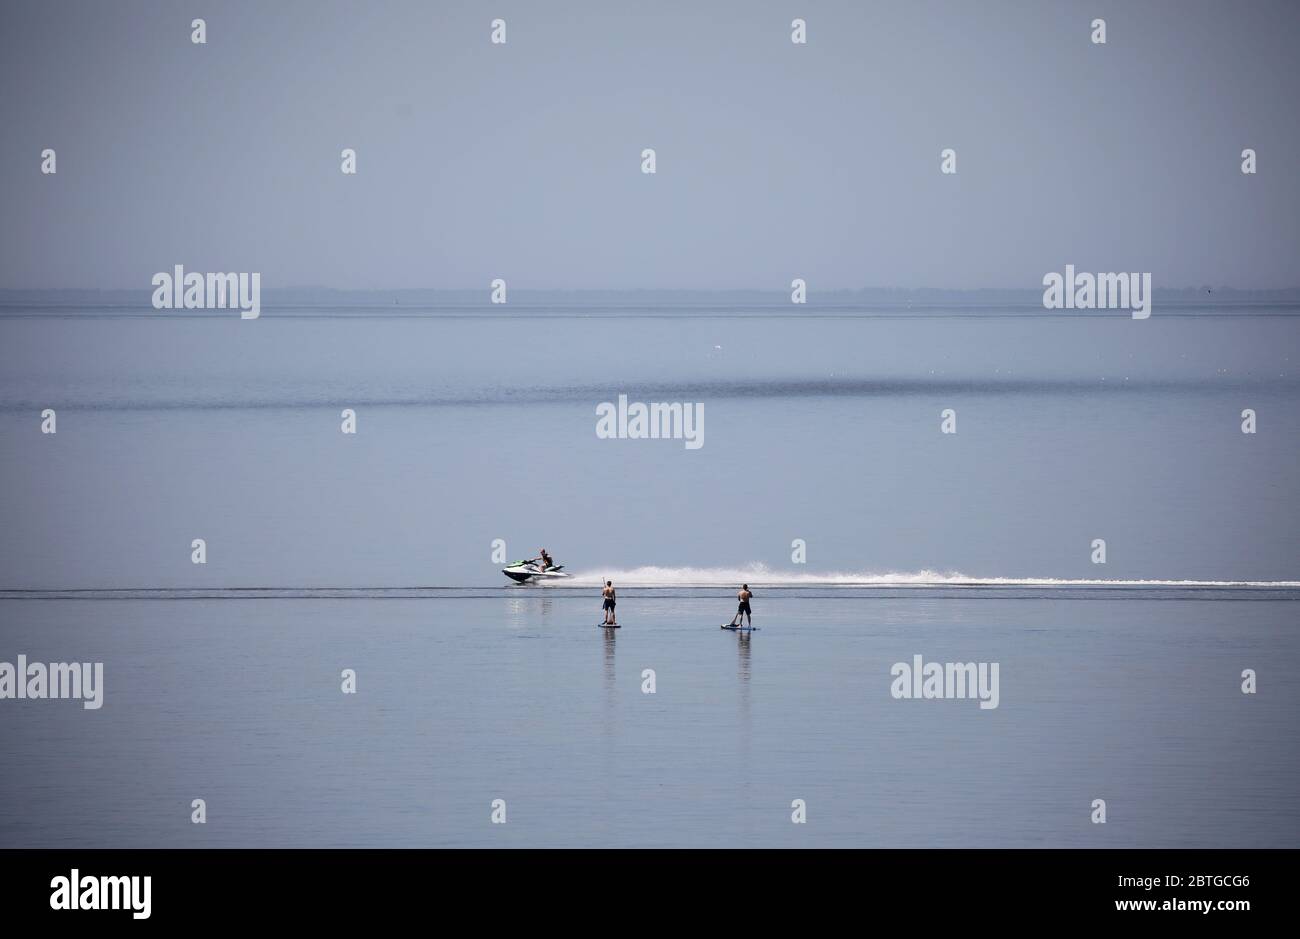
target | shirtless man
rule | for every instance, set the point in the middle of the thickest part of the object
(743, 612)
(608, 605)
(544, 560)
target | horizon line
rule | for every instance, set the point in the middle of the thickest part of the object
(1207, 290)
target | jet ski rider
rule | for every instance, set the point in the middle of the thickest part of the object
(545, 560)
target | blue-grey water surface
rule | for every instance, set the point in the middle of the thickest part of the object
(824, 428)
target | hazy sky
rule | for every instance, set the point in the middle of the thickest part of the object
(774, 160)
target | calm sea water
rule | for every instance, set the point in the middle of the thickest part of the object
(824, 429)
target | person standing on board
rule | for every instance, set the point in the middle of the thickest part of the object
(742, 611)
(610, 599)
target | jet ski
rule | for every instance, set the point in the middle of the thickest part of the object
(524, 571)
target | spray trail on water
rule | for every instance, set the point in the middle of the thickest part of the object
(756, 574)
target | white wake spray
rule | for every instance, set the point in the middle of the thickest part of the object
(756, 574)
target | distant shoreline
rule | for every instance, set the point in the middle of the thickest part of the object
(869, 299)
